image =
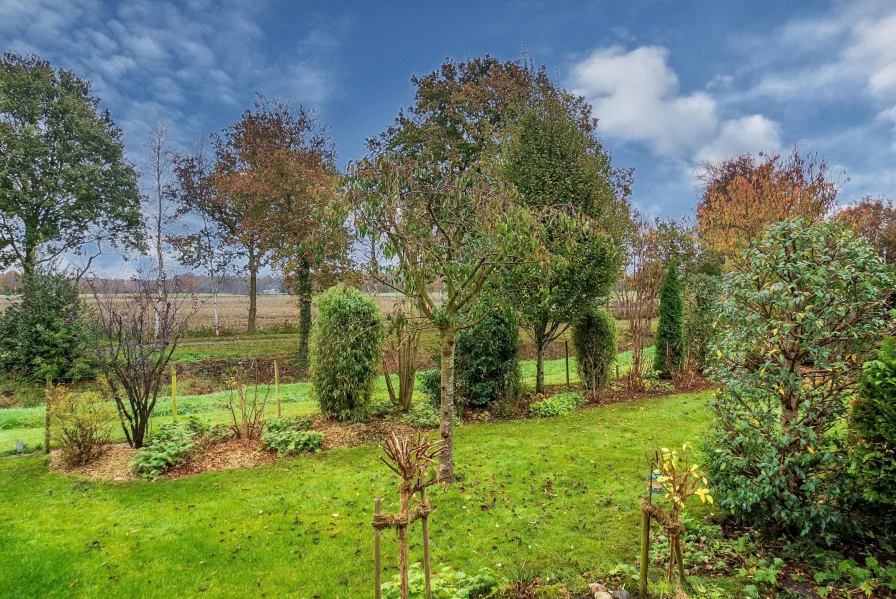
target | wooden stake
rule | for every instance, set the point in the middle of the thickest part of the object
(47, 418)
(376, 551)
(174, 392)
(566, 348)
(645, 552)
(427, 566)
(680, 561)
(277, 386)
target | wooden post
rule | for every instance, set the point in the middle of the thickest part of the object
(174, 392)
(680, 561)
(645, 552)
(376, 551)
(427, 566)
(47, 416)
(617, 370)
(566, 348)
(277, 386)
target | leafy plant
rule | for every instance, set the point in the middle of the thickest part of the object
(594, 341)
(81, 424)
(291, 442)
(423, 415)
(701, 294)
(447, 583)
(557, 405)
(348, 337)
(168, 446)
(669, 356)
(486, 360)
(803, 309)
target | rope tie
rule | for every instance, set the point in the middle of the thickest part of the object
(384, 521)
(672, 529)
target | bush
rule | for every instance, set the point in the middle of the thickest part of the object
(803, 309)
(594, 342)
(872, 424)
(168, 446)
(430, 382)
(423, 415)
(447, 583)
(290, 436)
(669, 356)
(80, 423)
(557, 405)
(486, 361)
(345, 359)
(702, 293)
(44, 336)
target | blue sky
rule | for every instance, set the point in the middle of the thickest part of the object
(673, 82)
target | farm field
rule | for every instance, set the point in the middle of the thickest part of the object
(558, 497)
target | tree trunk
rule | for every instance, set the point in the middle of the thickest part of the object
(404, 505)
(215, 320)
(303, 291)
(253, 290)
(446, 429)
(539, 367)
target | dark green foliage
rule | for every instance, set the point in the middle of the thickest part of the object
(423, 414)
(447, 583)
(45, 336)
(800, 314)
(486, 360)
(430, 382)
(701, 294)
(290, 436)
(669, 355)
(873, 426)
(168, 446)
(557, 405)
(345, 358)
(594, 342)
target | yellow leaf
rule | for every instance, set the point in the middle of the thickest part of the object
(810, 450)
(719, 353)
(775, 332)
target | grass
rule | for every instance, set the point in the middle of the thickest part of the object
(556, 496)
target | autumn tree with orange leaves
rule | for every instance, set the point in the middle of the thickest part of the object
(875, 220)
(742, 196)
(275, 184)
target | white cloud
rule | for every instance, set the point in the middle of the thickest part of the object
(636, 96)
(746, 135)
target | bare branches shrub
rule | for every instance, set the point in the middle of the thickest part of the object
(81, 424)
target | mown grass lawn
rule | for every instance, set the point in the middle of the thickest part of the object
(557, 497)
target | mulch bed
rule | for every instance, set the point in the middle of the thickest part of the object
(114, 464)
(224, 455)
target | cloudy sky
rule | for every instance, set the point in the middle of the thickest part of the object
(673, 82)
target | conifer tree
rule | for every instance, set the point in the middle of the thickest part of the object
(670, 330)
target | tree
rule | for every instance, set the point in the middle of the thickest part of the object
(402, 326)
(803, 310)
(875, 220)
(132, 356)
(65, 186)
(439, 224)
(275, 182)
(208, 247)
(594, 340)
(560, 169)
(742, 197)
(669, 356)
(159, 205)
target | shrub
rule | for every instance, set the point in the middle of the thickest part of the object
(486, 360)
(669, 355)
(297, 423)
(701, 294)
(345, 359)
(80, 423)
(423, 415)
(873, 426)
(44, 336)
(447, 583)
(557, 405)
(290, 436)
(431, 384)
(168, 446)
(802, 310)
(594, 342)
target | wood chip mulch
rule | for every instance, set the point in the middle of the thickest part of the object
(350, 434)
(114, 464)
(223, 455)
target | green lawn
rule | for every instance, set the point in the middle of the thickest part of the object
(557, 496)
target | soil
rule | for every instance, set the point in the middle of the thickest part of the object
(224, 455)
(114, 464)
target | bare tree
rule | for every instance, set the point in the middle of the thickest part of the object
(136, 333)
(159, 205)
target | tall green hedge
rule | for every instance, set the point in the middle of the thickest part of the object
(345, 356)
(669, 356)
(594, 341)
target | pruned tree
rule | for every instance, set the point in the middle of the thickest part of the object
(439, 225)
(403, 326)
(132, 356)
(66, 188)
(741, 197)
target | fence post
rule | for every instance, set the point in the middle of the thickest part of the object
(566, 349)
(174, 392)
(376, 550)
(427, 566)
(277, 386)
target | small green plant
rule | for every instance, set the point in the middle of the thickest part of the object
(345, 357)
(557, 405)
(169, 445)
(291, 442)
(847, 576)
(447, 583)
(298, 423)
(422, 415)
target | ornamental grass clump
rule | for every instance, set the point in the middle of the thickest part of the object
(345, 357)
